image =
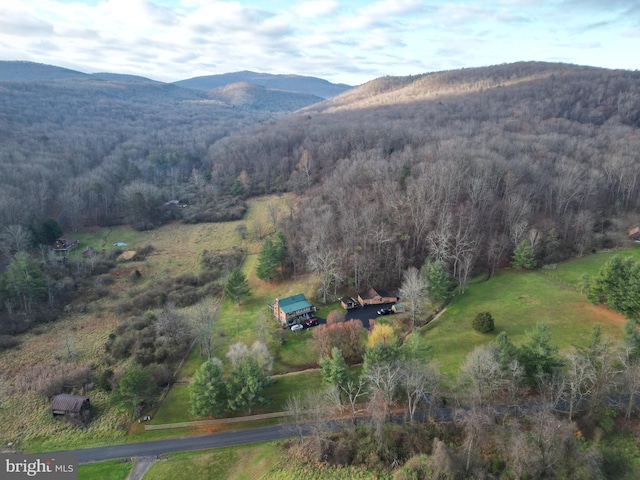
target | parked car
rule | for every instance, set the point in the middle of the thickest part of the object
(384, 311)
(312, 322)
(296, 327)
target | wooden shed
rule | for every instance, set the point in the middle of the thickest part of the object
(377, 297)
(74, 405)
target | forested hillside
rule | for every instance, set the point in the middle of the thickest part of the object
(461, 166)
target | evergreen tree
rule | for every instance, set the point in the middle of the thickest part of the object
(437, 280)
(334, 369)
(618, 285)
(524, 256)
(237, 287)
(246, 385)
(281, 247)
(135, 389)
(506, 351)
(483, 322)
(537, 355)
(208, 392)
(268, 261)
(381, 354)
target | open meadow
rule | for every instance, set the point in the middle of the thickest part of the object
(516, 299)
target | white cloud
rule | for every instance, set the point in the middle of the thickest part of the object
(316, 9)
(348, 42)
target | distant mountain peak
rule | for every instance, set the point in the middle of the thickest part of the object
(285, 82)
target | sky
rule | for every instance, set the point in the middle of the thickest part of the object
(348, 42)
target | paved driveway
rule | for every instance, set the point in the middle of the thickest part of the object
(366, 313)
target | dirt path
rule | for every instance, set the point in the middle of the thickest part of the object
(140, 467)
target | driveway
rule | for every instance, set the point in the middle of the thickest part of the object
(366, 313)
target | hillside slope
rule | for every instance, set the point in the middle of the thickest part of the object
(461, 166)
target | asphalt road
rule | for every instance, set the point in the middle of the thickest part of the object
(158, 447)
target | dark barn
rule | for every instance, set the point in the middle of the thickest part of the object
(73, 405)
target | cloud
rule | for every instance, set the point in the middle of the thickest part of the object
(349, 42)
(23, 24)
(316, 9)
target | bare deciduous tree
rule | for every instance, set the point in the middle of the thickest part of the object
(413, 293)
(202, 321)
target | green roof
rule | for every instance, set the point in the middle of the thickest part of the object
(294, 303)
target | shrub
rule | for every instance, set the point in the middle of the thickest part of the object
(105, 380)
(483, 322)
(8, 341)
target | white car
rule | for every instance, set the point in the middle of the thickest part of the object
(296, 327)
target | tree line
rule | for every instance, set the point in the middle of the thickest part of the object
(515, 411)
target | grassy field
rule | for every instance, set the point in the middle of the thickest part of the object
(517, 300)
(109, 470)
(263, 461)
(25, 417)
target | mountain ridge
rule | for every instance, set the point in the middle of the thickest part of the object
(24, 71)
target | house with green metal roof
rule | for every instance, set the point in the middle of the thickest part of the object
(293, 309)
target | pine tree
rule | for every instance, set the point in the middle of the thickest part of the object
(268, 262)
(246, 385)
(437, 280)
(208, 392)
(237, 287)
(281, 247)
(523, 256)
(334, 369)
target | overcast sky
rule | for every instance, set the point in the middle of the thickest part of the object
(349, 41)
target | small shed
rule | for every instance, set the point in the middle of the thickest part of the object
(378, 297)
(74, 405)
(349, 302)
(398, 308)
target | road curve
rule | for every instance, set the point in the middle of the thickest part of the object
(199, 442)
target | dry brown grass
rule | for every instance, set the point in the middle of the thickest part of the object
(24, 416)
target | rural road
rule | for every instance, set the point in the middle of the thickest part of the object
(158, 447)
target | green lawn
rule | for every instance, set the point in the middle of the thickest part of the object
(283, 386)
(264, 461)
(570, 272)
(517, 300)
(244, 462)
(109, 470)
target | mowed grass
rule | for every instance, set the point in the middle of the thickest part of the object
(517, 300)
(263, 461)
(109, 470)
(570, 272)
(237, 463)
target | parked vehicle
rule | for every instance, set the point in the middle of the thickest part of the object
(312, 322)
(296, 327)
(384, 311)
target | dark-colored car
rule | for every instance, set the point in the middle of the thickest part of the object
(312, 322)
(384, 311)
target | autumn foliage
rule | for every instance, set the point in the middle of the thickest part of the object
(347, 336)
